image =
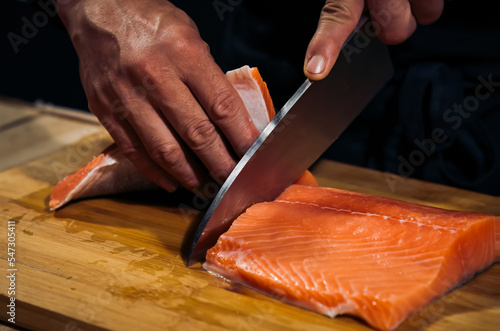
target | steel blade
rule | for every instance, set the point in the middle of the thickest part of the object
(302, 130)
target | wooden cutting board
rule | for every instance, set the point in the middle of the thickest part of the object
(119, 262)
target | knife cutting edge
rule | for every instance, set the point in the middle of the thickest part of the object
(313, 118)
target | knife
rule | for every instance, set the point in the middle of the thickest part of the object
(302, 130)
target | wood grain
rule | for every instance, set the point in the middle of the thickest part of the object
(118, 262)
(28, 132)
(12, 111)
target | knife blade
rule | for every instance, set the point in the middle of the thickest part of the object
(313, 118)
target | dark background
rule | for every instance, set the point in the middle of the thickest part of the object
(437, 68)
(46, 67)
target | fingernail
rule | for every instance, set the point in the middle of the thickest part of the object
(167, 185)
(316, 64)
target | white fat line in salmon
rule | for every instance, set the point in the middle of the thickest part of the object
(369, 214)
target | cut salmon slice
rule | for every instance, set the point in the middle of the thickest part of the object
(254, 93)
(337, 252)
(108, 173)
(111, 172)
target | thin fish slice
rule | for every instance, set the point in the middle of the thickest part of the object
(338, 252)
(108, 173)
(254, 93)
(111, 172)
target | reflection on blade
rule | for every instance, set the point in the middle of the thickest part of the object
(302, 130)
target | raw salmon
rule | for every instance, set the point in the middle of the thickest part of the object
(111, 172)
(338, 252)
(255, 95)
(108, 173)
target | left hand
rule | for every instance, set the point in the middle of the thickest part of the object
(394, 21)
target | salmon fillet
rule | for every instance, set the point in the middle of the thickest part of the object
(338, 252)
(111, 172)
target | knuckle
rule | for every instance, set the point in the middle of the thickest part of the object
(180, 46)
(171, 158)
(183, 39)
(95, 92)
(133, 154)
(133, 64)
(166, 154)
(224, 106)
(396, 7)
(337, 11)
(200, 135)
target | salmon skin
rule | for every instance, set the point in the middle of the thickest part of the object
(111, 172)
(338, 252)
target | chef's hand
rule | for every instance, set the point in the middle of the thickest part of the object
(393, 21)
(151, 81)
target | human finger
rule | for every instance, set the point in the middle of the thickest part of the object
(131, 146)
(337, 20)
(194, 127)
(427, 11)
(223, 105)
(392, 20)
(163, 146)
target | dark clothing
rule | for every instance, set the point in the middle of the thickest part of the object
(438, 119)
(429, 122)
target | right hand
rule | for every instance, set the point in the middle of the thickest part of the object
(151, 81)
(394, 21)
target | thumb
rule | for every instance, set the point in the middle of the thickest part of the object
(337, 20)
